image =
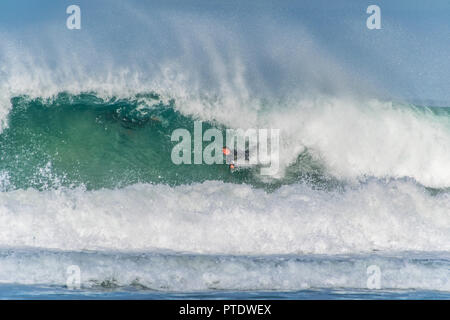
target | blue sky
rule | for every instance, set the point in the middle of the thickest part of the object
(409, 55)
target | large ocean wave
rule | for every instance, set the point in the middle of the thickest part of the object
(86, 140)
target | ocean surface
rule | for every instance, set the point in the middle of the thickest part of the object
(93, 207)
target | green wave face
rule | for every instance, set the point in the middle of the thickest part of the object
(91, 142)
(73, 140)
(84, 140)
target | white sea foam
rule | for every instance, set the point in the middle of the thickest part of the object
(354, 139)
(215, 217)
(181, 272)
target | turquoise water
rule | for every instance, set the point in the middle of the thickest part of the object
(105, 143)
(94, 142)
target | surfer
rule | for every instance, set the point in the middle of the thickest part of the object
(232, 158)
(229, 159)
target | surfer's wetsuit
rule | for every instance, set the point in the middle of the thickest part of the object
(232, 158)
